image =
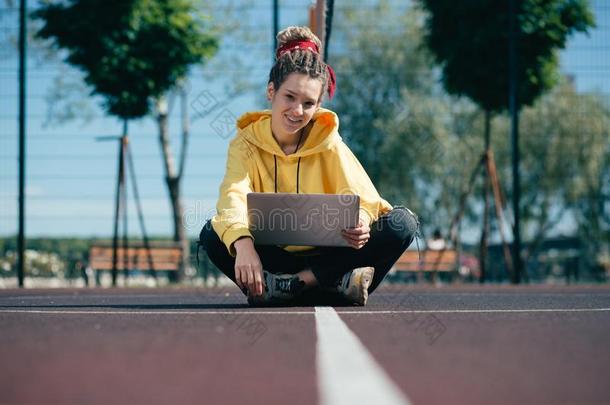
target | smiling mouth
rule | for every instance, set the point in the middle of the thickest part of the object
(293, 121)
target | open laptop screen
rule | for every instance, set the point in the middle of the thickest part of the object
(301, 219)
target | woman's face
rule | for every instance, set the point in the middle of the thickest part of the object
(293, 104)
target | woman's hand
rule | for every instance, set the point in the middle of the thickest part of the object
(248, 267)
(358, 236)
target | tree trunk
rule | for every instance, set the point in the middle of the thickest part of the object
(173, 186)
(486, 187)
(172, 180)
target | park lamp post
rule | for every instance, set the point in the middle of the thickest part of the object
(514, 117)
(22, 112)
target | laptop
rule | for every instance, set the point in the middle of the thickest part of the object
(301, 219)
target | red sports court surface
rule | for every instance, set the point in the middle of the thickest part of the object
(411, 344)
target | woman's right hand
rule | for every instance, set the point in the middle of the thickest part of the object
(248, 267)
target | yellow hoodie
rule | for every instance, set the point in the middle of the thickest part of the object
(325, 166)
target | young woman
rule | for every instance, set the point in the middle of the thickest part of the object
(295, 148)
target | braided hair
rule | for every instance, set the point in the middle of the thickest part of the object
(303, 61)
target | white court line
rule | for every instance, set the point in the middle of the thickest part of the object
(347, 372)
(478, 311)
(258, 312)
(145, 312)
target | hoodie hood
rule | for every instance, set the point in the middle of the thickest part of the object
(255, 128)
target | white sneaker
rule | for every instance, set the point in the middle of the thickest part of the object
(354, 285)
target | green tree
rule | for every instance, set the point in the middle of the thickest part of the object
(420, 144)
(372, 82)
(470, 41)
(132, 53)
(414, 140)
(567, 167)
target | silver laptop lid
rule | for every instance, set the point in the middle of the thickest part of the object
(301, 219)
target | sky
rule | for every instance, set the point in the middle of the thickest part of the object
(71, 177)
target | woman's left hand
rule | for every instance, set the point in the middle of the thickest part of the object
(357, 237)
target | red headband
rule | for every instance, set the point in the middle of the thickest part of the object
(290, 46)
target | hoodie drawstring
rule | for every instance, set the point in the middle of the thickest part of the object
(275, 173)
(298, 167)
(298, 164)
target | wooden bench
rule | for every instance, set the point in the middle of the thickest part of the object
(166, 256)
(432, 261)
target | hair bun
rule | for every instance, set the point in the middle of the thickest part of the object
(295, 33)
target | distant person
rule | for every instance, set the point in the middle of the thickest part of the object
(79, 267)
(88, 273)
(295, 148)
(437, 242)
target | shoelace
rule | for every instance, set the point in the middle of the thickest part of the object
(289, 285)
(284, 284)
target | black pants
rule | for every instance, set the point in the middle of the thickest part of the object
(391, 235)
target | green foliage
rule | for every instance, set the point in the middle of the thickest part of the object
(565, 167)
(44, 257)
(412, 138)
(67, 248)
(130, 51)
(372, 77)
(420, 145)
(469, 39)
(568, 161)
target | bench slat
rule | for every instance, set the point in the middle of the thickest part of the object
(431, 260)
(163, 258)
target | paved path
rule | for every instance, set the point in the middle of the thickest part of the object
(411, 344)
